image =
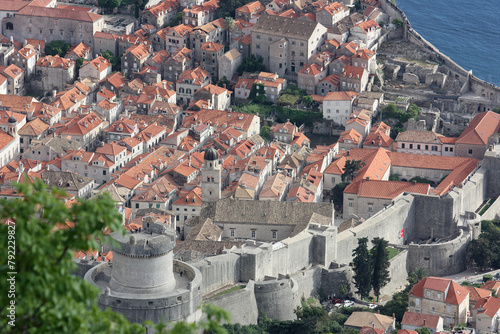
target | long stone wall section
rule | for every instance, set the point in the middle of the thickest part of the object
(241, 304)
(446, 258)
(219, 271)
(385, 224)
(278, 299)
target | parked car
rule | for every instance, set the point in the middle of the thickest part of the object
(372, 306)
(348, 303)
(337, 300)
(338, 305)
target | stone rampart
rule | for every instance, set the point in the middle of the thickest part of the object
(493, 212)
(277, 298)
(386, 224)
(442, 258)
(398, 272)
(219, 271)
(240, 303)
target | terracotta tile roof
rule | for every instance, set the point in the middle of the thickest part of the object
(427, 161)
(290, 13)
(480, 128)
(55, 61)
(5, 115)
(351, 135)
(341, 96)
(455, 293)
(491, 285)
(334, 8)
(477, 293)
(111, 149)
(69, 14)
(206, 231)
(254, 7)
(364, 54)
(211, 46)
(80, 125)
(420, 136)
(385, 189)
(80, 50)
(458, 175)
(312, 69)
(163, 8)
(34, 128)
(12, 71)
(371, 330)
(219, 118)
(5, 139)
(116, 79)
(139, 51)
(106, 35)
(213, 89)
(378, 138)
(406, 331)
(197, 76)
(368, 319)
(488, 306)
(420, 320)
(100, 63)
(369, 25)
(353, 72)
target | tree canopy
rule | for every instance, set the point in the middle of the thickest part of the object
(362, 267)
(264, 132)
(47, 297)
(351, 167)
(257, 93)
(252, 64)
(109, 3)
(380, 264)
(485, 251)
(57, 47)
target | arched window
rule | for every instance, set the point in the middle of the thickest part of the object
(9, 26)
(181, 90)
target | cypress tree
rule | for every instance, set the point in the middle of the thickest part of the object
(380, 264)
(362, 268)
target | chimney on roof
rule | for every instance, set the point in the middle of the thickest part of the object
(424, 321)
(414, 182)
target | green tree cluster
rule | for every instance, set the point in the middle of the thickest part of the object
(397, 22)
(109, 4)
(485, 251)
(251, 64)
(350, 169)
(265, 132)
(371, 268)
(257, 93)
(115, 62)
(48, 297)
(57, 47)
(176, 20)
(338, 194)
(401, 116)
(310, 320)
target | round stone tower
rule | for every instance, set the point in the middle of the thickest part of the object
(144, 282)
(211, 177)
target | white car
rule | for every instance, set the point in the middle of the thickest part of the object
(372, 306)
(338, 305)
(348, 303)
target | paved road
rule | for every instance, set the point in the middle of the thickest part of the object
(471, 275)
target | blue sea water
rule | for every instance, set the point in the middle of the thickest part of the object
(465, 30)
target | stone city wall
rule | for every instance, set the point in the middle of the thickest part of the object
(439, 259)
(240, 303)
(385, 224)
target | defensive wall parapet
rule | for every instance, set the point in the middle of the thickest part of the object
(387, 224)
(241, 304)
(441, 258)
(277, 298)
(179, 304)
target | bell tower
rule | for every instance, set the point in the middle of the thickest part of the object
(211, 177)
